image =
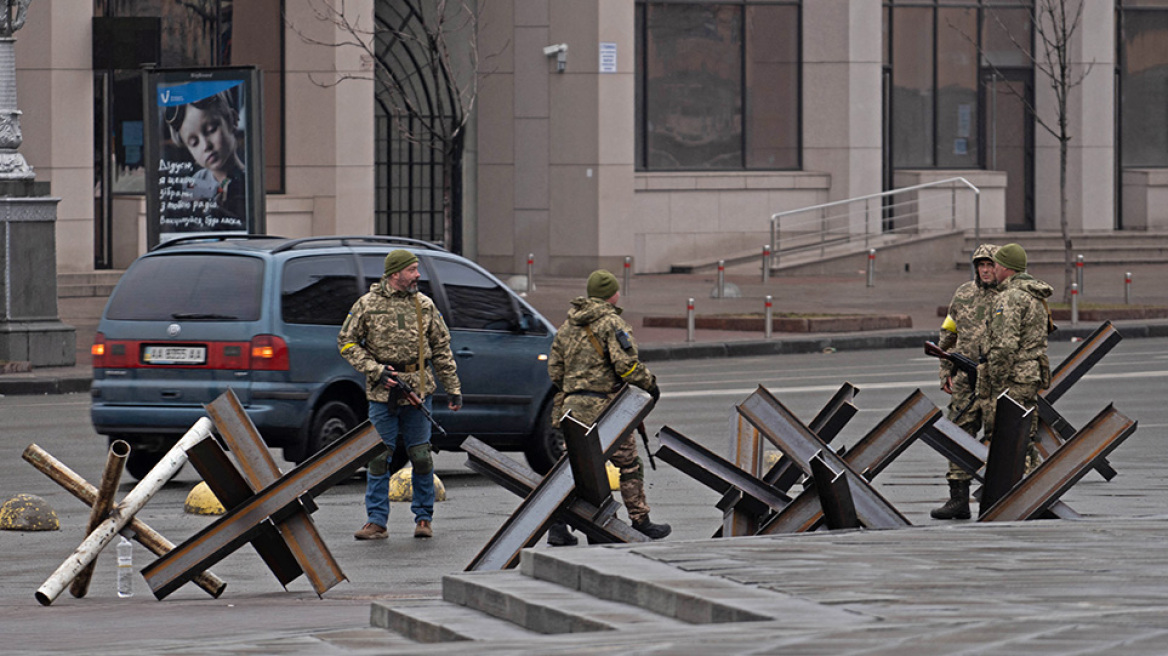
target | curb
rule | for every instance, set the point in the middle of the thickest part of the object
(47, 385)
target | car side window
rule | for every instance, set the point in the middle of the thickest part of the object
(476, 302)
(319, 289)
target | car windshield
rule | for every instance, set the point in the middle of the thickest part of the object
(190, 287)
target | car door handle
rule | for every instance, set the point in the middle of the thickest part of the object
(464, 353)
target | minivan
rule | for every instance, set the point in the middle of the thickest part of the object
(260, 314)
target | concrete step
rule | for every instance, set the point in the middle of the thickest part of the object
(623, 575)
(95, 283)
(435, 620)
(546, 607)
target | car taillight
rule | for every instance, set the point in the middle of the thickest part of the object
(269, 353)
(109, 354)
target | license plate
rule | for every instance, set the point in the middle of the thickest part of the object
(174, 355)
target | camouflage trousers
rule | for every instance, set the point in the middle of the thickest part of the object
(586, 409)
(970, 421)
(1026, 394)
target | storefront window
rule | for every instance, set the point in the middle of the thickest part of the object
(1143, 60)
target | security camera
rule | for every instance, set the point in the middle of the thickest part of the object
(560, 50)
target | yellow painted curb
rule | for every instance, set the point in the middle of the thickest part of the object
(201, 501)
(401, 486)
(28, 512)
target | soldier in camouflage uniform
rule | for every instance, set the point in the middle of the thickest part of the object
(395, 328)
(592, 356)
(1016, 359)
(962, 332)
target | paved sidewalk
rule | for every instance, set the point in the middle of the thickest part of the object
(917, 295)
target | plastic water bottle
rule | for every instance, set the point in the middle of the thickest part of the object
(125, 568)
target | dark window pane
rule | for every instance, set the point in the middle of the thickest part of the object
(476, 301)
(772, 87)
(318, 290)
(1144, 84)
(211, 287)
(957, 115)
(639, 87)
(694, 86)
(912, 87)
(1006, 41)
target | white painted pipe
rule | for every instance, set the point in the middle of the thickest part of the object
(121, 515)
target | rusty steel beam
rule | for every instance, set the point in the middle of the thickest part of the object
(835, 496)
(111, 475)
(1074, 366)
(871, 455)
(335, 463)
(1054, 429)
(586, 461)
(520, 479)
(775, 422)
(84, 491)
(228, 486)
(1006, 462)
(1064, 468)
(525, 526)
(827, 425)
(719, 474)
(259, 471)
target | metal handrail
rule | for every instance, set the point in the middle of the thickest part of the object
(777, 216)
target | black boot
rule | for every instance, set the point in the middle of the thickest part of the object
(651, 530)
(560, 536)
(957, 507)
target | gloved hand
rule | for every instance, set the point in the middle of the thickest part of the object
(654, 392)
(385, 378)
(455, 402)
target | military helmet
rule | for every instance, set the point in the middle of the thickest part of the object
(985, 252)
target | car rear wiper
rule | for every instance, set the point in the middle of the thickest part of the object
(195, 316)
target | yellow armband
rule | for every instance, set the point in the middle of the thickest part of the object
(949, 324)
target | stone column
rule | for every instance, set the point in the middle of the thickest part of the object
(30, 329)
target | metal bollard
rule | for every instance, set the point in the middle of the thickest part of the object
(1074, 304)
(628, 269)
(1079, 272)
(530, 272)
(768, 327)
(721, 278)
(1127, 288)
(766, 263)
(872, 267)
(689, 321)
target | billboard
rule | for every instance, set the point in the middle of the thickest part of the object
(204, 153)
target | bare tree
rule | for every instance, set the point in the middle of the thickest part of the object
(1055, 23)
(424, 56)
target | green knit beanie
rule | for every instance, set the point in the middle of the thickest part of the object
(398, 260)
(602, 284)
(1011, 256)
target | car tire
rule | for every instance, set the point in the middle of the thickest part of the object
(139, 462)
(546, 444)
(330, 422)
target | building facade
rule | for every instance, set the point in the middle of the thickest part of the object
(665, 130)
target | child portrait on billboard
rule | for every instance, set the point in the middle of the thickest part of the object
(203, 177)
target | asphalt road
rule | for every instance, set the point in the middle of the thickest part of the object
(698, 401)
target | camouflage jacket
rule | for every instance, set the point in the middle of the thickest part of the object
(575, 363)
(966, 324)
(382, 329)
(1016, 341)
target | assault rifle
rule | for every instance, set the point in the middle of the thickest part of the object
(410, 395)
(963, 363)
(645, 439)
